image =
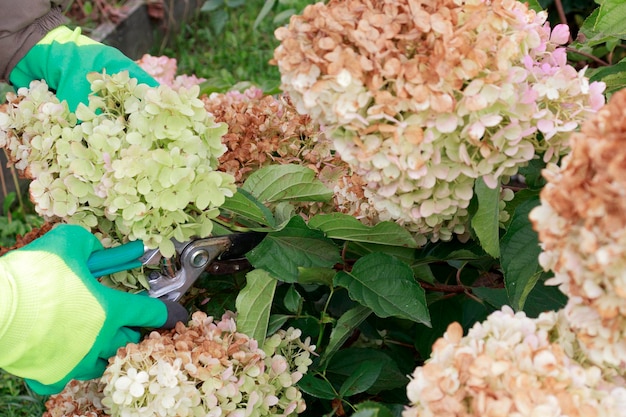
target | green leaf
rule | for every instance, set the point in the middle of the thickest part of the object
(534, 5)
(345, 227)
(276, 322)
(283, 16)
(443, 312)
(211, 5)
(218, 19)
(495, 297)
(451, 251)
(283, 252)
(485, 221)
(361, 379)
(345, 326)
(4, 89)
(544, 298)
(292, 300)
(613, 76)
(254, 303)
(532, 175)
(608, 19)
(423, 272)
(520, 197)
(346, 361)
(283, 212)
(520, 255)
(387, 286)
(323, 276)
(359, 249)
(243, 205)
(317, 387)
(8, 202)
(267, 7)
(274, 183)
(372, 409)
(233, 4)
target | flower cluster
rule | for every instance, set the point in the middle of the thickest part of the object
(423, 98)
(581, 224)
(512, 365)
(141, 165)
(205, 368)
(78, 399)
(266, 129)
(164, 69)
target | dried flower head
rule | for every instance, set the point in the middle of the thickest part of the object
(424, 97)
(266, 129)
(512, 365)
(78, 399)
(582, 230)
(205, 368)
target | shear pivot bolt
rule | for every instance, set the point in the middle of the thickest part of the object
(153, 276)
(199, 258)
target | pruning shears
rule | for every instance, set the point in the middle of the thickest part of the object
(174, 276)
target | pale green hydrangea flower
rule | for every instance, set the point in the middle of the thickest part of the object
(141, 164)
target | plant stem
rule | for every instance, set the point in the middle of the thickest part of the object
(18, 191)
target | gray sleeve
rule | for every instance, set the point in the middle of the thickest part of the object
(22, 24)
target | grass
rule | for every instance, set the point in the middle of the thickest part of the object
(16, 400)
(236, 53)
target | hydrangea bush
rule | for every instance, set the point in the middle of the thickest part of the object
(424, 98)
(417, 113)
(206, 368)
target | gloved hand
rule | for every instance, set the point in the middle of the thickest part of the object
(57, 322)
(63, 58)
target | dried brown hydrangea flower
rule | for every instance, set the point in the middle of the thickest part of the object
(78, 399)
(266, 129)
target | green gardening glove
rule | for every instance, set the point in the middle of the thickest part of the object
(63, 58)
(57, 322)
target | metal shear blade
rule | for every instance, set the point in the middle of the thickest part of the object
(175, 275)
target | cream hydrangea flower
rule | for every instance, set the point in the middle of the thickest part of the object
(512, 365)
(424, 97)
(582, 230)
